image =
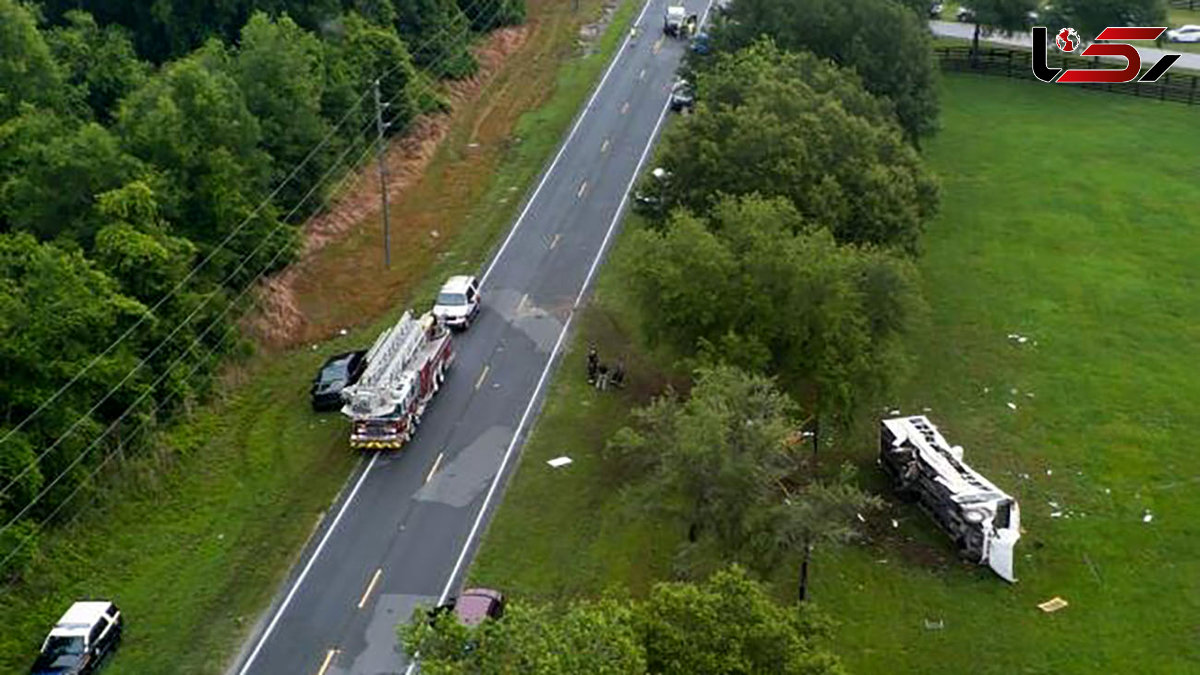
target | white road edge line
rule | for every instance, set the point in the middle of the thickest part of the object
(304, 573)
(621, 207)
(375, 579)
(563, 148)
(436, 463)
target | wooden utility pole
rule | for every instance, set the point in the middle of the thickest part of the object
(383, 192)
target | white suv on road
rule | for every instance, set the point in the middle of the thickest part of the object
(458, 302)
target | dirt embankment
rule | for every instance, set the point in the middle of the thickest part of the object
(281, 320)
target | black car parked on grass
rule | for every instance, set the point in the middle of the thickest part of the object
(338, 372)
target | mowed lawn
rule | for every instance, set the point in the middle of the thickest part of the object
(1067, 219)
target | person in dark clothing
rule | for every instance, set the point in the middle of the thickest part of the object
(593, 363)
(617, 377)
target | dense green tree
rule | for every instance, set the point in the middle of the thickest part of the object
(1007, 16)
(135, 247)
(54, 181)
(28, 72)
(730, 625)
(584, 639)
(57, 313)
(818, 513)
(279, 68)
(440, 36)
(191, 122)
(727, 625)
(714, 461)
(758, 292)
(486, 15)
(1090, 17)
(358, 53)
(886, 43)
(99, 62)
(789, 125)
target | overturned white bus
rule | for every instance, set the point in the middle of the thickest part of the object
(984, 522)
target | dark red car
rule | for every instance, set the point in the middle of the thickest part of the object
(474, 605)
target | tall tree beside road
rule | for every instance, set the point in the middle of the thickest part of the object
(791, 125)
(726, 625)
(1090, 17)
(885, 42)
(1007, 16)
(749, 287)
(584, 639)
(713, 463)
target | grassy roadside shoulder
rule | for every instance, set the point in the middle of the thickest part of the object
(1094, 262)
(196, 541)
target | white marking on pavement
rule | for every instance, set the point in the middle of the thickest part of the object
(328, 658)
(436, 463)
(375, 579)
(642, 75)
(621, 207)
(307, 567)
(604, 147)
(582, 187)
(625, 107)
(549, 172)
(554, 242)
(482, 375)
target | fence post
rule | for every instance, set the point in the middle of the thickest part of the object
(1162, 88)
(1192, 93)
(1008, 73)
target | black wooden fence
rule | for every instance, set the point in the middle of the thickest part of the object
(1181, 87)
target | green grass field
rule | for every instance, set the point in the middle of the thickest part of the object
(1067, 218)
(196, 550)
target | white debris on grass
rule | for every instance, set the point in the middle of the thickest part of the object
(343, 331)
(1049, 472)
(1056, 514)
(1012, 406)
(929, 625)
(860, 518)
(895, 523)
(559, 461)
(1148, 517)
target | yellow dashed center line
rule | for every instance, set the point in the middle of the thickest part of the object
(328, 658)
(367, 593)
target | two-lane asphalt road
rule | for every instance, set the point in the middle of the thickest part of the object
(406, 526)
